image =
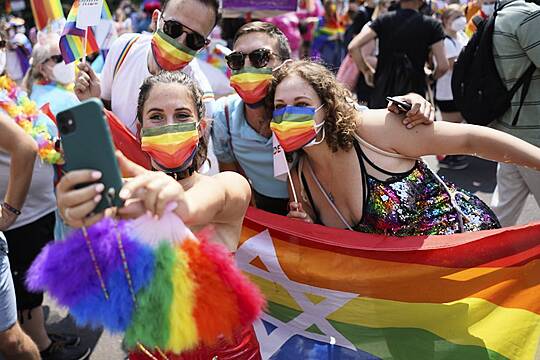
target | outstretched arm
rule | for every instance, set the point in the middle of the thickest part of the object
(382, 130)
(219, 199)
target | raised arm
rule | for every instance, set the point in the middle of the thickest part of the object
(355, 49)
(381, 129)
(22, 149)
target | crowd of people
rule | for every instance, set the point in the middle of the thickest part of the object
(355, 159)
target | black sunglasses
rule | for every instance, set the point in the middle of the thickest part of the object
(258, 58)
(56, 58)
(3, 44)
(194, 40)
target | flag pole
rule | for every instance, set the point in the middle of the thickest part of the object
(84, 44)
(292, 185)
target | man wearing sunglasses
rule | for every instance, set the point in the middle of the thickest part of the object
(132, 58)
(240, 132)
(241, 129)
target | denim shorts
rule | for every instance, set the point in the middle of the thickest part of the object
(8, 305)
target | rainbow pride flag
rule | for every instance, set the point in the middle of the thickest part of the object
(336, 294)
(327, 30)
(72, 39)
(46, 11)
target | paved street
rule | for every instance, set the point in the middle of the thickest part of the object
(479, 178)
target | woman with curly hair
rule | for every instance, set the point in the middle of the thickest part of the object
(361, 170)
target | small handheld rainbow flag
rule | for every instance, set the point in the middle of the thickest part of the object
(72, 39)
(46, 11)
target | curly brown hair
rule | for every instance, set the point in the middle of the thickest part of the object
(339, 102)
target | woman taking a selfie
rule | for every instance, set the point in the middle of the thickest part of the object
(171, 104)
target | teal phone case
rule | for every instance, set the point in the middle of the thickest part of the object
(87, 144)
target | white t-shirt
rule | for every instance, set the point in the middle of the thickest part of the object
(123, 90)
(40, 200)
(444, 83)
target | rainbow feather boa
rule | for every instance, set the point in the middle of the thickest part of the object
(188, 292)
(26, 114)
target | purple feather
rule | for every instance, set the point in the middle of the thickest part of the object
(65, 270)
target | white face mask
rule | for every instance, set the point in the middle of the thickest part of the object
(488, 9)
(3, 61)
(459, 24)
(318, 128)
(64, 74)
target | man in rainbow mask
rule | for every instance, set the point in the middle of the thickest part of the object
(179, 36)
(241, 129)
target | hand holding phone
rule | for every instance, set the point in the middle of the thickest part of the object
(87, 144)
(405, 106)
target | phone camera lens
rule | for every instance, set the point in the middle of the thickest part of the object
(66, 125)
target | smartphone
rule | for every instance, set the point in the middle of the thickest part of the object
(87, 144)
(405, 106)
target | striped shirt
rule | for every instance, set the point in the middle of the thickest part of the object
(516, 43)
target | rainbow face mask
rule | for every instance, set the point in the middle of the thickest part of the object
(295, 127)
(172, 147)
(252, 83)
(170, 54)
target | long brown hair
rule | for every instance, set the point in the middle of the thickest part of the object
(339, 102)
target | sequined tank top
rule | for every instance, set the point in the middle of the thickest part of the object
(416, 202)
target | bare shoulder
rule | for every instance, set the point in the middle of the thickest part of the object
(233, 182)
(230, 176)
(237, 195)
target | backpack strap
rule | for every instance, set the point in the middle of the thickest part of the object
(123, 55)
(524, 80)
(228, 122)
(477, 20)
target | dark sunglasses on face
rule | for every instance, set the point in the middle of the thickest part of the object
(194, 40)
(57, 59)
(258, 58)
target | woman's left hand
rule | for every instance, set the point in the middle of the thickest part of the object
(422, 112)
